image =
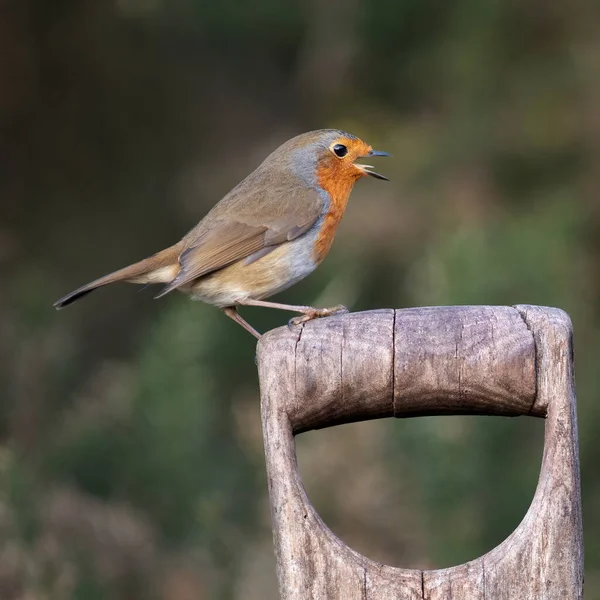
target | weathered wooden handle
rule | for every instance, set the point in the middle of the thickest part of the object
(446, 360)
(426, 361)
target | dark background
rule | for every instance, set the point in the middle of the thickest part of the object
(130, 453)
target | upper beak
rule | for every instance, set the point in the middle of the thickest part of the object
(366, 168)
(378, 153)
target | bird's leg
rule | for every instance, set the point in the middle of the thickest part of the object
(232, 313)
(308, 312)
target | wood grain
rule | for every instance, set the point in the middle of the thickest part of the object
(472, 359)
(344, 370)
(445, 360)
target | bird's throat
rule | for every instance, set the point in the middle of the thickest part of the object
(338, 184)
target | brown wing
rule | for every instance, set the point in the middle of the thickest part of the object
(224, 241)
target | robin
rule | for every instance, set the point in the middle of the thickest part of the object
(272, 230)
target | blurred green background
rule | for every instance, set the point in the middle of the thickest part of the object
(131, 455)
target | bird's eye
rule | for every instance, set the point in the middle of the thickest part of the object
(340, 150)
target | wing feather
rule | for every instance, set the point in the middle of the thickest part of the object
(219, 241)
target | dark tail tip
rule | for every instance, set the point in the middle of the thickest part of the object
(72, 297)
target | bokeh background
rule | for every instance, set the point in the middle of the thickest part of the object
(130, 453)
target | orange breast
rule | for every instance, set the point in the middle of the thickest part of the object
(337, 181)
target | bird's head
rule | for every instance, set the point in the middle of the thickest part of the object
(327, 158)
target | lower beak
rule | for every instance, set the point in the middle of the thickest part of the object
(366, 168)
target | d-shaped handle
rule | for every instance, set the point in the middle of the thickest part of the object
(426, 361)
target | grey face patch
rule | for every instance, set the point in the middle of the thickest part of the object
(303, 162)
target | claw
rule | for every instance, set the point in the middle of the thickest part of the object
(317, 313)
(301, 319)
(340, 309)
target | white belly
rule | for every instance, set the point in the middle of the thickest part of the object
(273, 273)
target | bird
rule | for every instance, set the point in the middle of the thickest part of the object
(269, 232)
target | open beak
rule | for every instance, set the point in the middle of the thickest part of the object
(366, 168)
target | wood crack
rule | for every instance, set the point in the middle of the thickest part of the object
(342, 364)
(296, 363)
(394, 364)
(483, 575)
(536, 366)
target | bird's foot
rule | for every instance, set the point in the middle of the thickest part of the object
(317, 313)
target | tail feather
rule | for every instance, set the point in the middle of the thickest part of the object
(159, 268)
(75, 295)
